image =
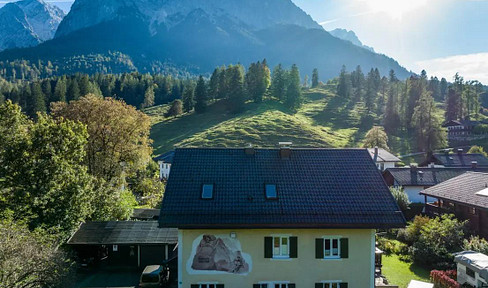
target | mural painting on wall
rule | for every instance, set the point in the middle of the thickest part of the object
(218, 254)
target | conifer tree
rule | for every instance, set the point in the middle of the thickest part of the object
(84, 85)
(278, 86)
(60, 90)
(223, 87)
(357, 82)
(428, 126)
(73, 92)
(236, 85)
(37, 102)
(213, 86)
(315, 78)
(201, 96)
(344, 87)
(293, 91)
(188, 98)
(443, 89)
(148, 97)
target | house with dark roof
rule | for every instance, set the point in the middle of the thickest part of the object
(124, 243)
(462, 130)
(465, 196)
(458, 159)
(277, 217)
(164, 162)
(415, 179)
(383, 158)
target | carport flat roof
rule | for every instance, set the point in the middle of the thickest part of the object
(123, 232)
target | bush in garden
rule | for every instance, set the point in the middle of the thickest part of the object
(411, 234)
(401, 198)
(477, 244)
(389, 246)
(439, 238)
(444, 279)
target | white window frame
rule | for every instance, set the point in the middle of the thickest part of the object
(331, 245)
(330, 283)
(271, 284)
(281, 255)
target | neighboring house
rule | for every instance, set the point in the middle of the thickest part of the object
(284, 218)
(416, 179)
(165, 160)
(124, 243)
(383, 158)
(458, 159)
(472, 269)
(465, 196)
(464, 130)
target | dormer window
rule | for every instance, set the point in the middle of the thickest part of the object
(207, 191)
(271, 193)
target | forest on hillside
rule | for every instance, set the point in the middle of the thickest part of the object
(414, 108)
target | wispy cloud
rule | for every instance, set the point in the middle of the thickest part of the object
(470, 66)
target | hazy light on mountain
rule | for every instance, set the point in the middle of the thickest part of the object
(395, 8)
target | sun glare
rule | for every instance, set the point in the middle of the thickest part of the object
(395, 8)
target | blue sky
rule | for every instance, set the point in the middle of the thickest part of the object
(441, 36)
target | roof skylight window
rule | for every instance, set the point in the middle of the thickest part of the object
(271, 192)
(207, 191)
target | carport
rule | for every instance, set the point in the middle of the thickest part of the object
(125, 243)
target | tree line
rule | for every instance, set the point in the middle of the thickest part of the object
(416, 107)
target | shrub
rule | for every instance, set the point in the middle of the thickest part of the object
(411, 234)
(392, 246)
(401, 198)
(444, 279)
(439, 238)
(175, 109)
(477, 244)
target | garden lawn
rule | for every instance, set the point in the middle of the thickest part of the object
(401, 273)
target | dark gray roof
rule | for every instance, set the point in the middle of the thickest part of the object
(424, 176)
(317, 188)
(166, 157)
(123, 232)
(462, 189)
(460, 159)
(384, 156)
(145, 214)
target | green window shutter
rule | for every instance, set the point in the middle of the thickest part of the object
(294, 247)
(220, 285)
(319, 285)
(268, 247)
(291, 285)
(344, 248)
(343, 285)
(194, 286)
(319, 248)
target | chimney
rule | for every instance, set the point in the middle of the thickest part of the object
(285, 150)
(432, 165)
(474, 164)
(375, 154)
(249, 150)
(460, 151)
(413, 168)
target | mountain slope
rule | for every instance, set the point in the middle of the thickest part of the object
(200, 35)
(27, 23)
(349, 36)
(317, 124)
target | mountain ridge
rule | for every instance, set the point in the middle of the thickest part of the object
(27, 23)
(198, 38)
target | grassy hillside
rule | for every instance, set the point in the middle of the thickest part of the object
(323, 121)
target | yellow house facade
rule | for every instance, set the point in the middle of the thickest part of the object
(305, 269)
(277, 218)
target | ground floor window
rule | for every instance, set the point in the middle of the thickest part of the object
(207, 285)
(332, 284)
(274, 285)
